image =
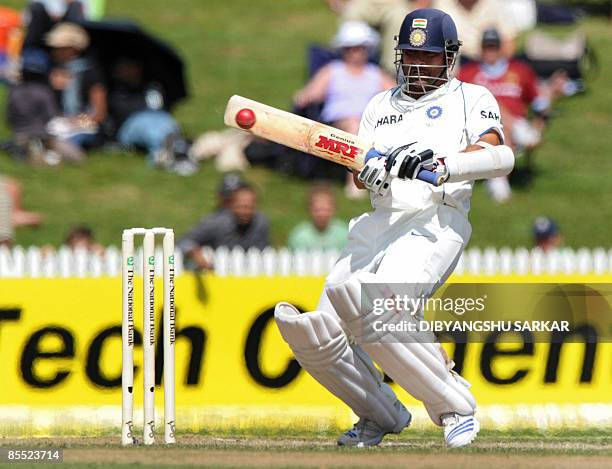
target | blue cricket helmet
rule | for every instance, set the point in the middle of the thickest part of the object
(428, 29)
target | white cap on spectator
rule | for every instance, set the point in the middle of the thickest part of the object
(67, 35)
(355, 33)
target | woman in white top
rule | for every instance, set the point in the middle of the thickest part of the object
(346, 85)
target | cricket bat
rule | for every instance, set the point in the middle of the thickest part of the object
(304, 134)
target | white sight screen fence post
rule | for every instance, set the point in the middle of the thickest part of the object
(34, 262)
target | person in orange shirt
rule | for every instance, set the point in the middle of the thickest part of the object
(9, 21)
(10, 41)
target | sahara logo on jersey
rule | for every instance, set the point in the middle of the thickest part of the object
(336, 146)
(391, 119)
(489, 115)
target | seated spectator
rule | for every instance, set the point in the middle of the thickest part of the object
(41, 15)
(141, 118)
(515, 86)
(230, 183)
(385, 16)
(473, 18)
(79, 84)
(240, 225)
(546, 234)
(346, 86)
(322, 231)
(82, 237)
(31, 105)
(521, 13)
(226, 147)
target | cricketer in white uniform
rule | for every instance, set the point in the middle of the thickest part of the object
(414, 236)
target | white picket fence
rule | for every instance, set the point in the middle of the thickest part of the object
(20, 262)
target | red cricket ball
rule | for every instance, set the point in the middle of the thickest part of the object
(245, 118)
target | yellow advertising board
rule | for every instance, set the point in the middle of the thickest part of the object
(60, 343)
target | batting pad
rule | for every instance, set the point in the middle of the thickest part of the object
(321, 347)
(412, 359)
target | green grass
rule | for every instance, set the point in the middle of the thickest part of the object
(602, 435)
(419, 449)
(257, 49)
(588, 441)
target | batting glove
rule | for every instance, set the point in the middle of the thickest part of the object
(374, 175)
(405, 162)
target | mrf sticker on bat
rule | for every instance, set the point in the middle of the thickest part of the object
(338, 146)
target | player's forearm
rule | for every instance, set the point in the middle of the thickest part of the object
(482, 163)
(488, 158)
(490, 138)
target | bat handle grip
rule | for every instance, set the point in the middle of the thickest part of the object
(436, 179)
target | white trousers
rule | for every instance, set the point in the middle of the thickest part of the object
(421, 251)
(398, 249)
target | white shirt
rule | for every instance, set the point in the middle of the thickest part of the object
(446, 121)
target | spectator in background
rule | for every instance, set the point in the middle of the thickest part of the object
(41, 15)
(31, 105)
(473, 18)
(230, 183)
(515, 86)
(10, 43)
(79, 84)
(82, 237)
(346, 86)
(517, 90)
(141, 118)
(240, 225)
(546, 234)
(322, 231)
(385, 16)
(523, 14)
